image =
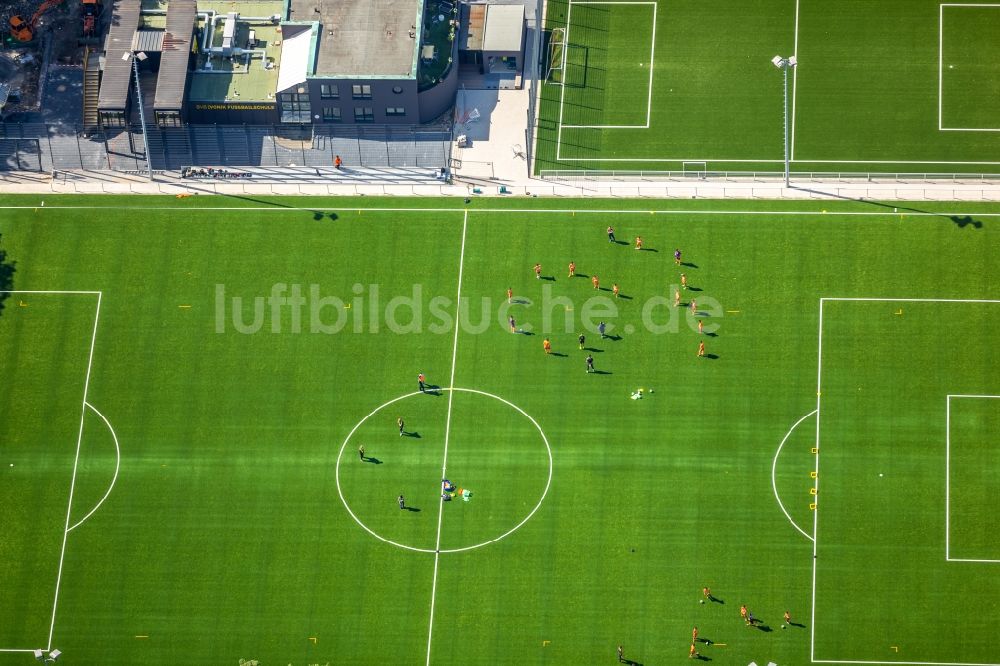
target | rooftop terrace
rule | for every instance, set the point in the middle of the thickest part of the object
(237, 79)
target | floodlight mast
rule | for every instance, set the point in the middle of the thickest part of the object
(785, 64)
(136, 57)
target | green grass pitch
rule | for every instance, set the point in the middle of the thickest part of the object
(180, 481)
(898, 86)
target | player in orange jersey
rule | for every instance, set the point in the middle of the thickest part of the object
(594, 281)
(510, 294)
(701, 351)
(677, 297)
(701, 327)
(572, 269)
(614, 289)
(538, 271)
(692, 653)
(547, 346)
(684, 281)
(638, 242)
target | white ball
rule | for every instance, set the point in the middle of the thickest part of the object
(880, 473)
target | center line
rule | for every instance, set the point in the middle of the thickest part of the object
(447, 434)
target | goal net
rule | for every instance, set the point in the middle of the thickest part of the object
(556, 55)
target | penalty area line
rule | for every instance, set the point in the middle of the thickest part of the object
(774, 472)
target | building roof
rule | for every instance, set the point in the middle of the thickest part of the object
(363, 38)
(504, 29)
(176, 52)
(148, 41)
(473, 21)
(230, 79)
(295, 51)
(118, 72)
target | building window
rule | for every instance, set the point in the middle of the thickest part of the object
(295, 108)
(361, 91)
(331, 114)
(397, 89)
(364, 114)
(329, 91)
(395, 111)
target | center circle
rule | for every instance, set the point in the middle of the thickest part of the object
(406, 441)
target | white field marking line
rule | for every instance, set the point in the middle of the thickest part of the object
(118, 464)
(819, 391)
(795, 79)
(447, 434)
(947, 479)
(548, 481)
(341, 492)
(819, 376)
(652, 51)
(941, 126)
(774, 470)
(909, 300)
(17, 649)
(743, 161)
(940, 66)
(652, 55)
(912, 663)
(580, 211)
(506, 534)
(76, 462)
(45, 291)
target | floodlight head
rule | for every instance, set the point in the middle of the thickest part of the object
(125, 56)
(776, 61)
(793, 61)
(55, 654)
(140, 55)
(39, 654)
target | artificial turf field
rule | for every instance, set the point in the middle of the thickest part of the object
(218, 439)
(893, 86)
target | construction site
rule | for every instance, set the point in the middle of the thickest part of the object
(43, 36)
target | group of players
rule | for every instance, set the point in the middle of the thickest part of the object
(616, 292)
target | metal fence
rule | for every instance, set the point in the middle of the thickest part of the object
(578, 176)
(41, 147)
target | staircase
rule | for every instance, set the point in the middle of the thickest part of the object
(91, 87)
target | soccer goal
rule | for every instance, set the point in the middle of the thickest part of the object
(694, 169)
(556, 55)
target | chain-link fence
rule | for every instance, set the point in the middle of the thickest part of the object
(41, 147)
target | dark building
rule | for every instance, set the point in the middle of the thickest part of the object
(283, 61)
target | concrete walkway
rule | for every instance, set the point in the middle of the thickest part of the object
(495, 158)
(377, 182)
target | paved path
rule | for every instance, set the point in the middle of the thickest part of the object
(494, 159)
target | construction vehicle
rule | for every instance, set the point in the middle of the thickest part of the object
(24, 30)
(91, 10)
